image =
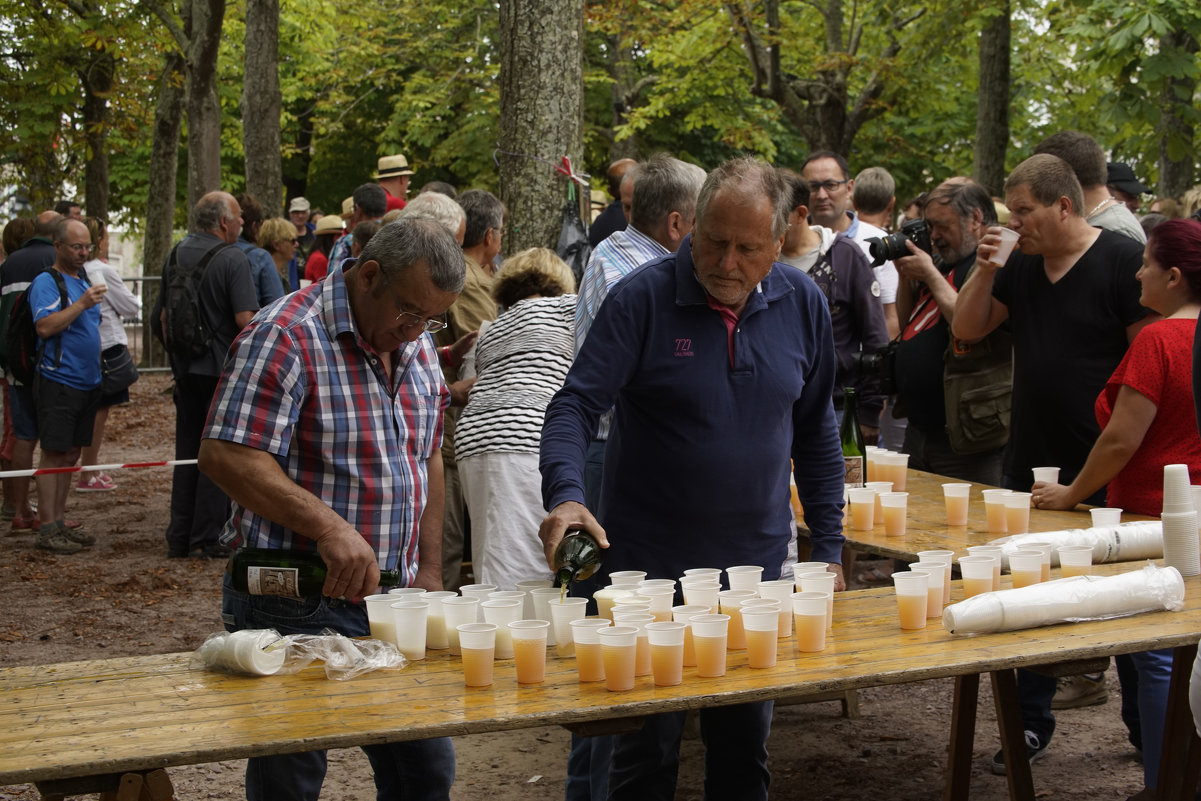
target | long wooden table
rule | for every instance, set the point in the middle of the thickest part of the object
(927, 529)
(136, 714)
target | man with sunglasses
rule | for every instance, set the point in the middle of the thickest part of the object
(325, 432)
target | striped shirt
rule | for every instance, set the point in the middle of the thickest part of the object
(522, 359)
(302, 384)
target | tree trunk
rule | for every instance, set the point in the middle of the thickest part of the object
(541, 113)
(97, 80)
(203, 22)
(1174, 129)
(261, 106)
(992, 102)
(624, 94)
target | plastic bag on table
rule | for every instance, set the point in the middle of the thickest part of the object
(263, 652)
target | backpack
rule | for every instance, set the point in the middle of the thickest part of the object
(185, 334)
(24, 346)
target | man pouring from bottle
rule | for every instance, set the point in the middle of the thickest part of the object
(720, 366)
(325, 432)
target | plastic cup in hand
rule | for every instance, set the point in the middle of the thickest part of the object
(994, 510)
(477, 642)
(1046, 549)
(667, 652)
(435, 623)
(709, 640)
(730, 602)
(660, 598)
(809, 621)
(626, 578)
(1017, 512)
(1025, 568)
(379, 617)
(894, 506)
(977, 574)
(955, 496)
(1049, 475)
(456, 611)
(761, 625)
(781, 591)
(941, 557)
(821, 582)
(863, 508)
(1105, 516)
(529, 649)
(912, 591)
(588, 662)
(1009, 239)
(409, 617)
(994, 552)
(502, 612)
(541, 599)
(935, 574)
(1075, 560)
(744, 577)
(618, 653)
(562, 612)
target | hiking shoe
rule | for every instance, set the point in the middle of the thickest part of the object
(55, 539)
(77, 535)
(1077, 691)
(1036, 749)
(96, 483)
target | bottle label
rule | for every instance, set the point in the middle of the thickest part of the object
(853, 467)
(281, 581)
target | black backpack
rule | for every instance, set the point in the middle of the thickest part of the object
(24, 347)
(185, 334)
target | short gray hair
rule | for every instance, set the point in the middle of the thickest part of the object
(438, 207)
(399, 245)
(484, 210)
(874, 190)
(755, 177)
(964, 196)
(663, 185)
(210, 211)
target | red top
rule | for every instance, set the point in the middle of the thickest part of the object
(394, 202)
(316, 266)
(1159, 366)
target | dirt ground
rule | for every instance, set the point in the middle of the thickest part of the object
(124, 597)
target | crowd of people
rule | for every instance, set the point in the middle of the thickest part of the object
(381, 387)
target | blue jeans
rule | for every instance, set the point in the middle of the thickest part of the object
(1154, 676)
(419, 770)
(646, 763)
(1035, 693)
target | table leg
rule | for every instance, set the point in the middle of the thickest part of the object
(963, 733)
(1180, 764)
(1013, 739)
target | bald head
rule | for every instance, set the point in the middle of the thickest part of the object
(218, 213)
(617, 170)
(44, 223)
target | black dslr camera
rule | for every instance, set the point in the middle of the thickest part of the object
(877, 369)
(892, 247)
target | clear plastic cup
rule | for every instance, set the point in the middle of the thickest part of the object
(541, 599)
(477, 642)
(955, 497)
(781, 591)
(479, 592)
(895, 508)
(409, 618)
(406, 593)
(712, 572)
(744, 577)
(1050, 475)
(912, 591)
(895, 467)
(527, 586)
(944, 558)
(661, 600)
(1017, 512)
(1046, 549)
(821, 582)
(667, 652)
(379, 617)
(642, 652)
(435, 623)
(650, 584)
(605, 599)
(626, 578)
(1075, 560)
(702, 594)
(619, 654)
(1106, 516)
(562, 612)
(977, 575)
(935, 573)
(457, 611)
(807, 567)
(879, 487)
(761, 625)
(1009, 240)
(730, 603)
(994, 510)
(709, 639)
(585, 635)
(529, 649)
(997, 554)
(1025, 568)
(684, 614)
(502, 612)
(863, 508)
(809, 621)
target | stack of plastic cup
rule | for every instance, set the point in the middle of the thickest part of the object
(1181, 547)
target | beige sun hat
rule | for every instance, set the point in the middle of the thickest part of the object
(330, 223)
(393, 167)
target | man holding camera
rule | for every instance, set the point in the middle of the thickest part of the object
(956, 214)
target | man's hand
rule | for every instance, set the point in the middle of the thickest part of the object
(568, 514)
(988, 246)
(840, 583)
(351, 564)
(918, 266)
(429, 577)
(459, 391)
(461, 346)
(93, 295)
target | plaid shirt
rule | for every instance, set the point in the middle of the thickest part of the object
(301, 384)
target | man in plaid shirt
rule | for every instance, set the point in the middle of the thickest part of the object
(325, 431)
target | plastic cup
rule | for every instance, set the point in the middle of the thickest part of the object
(1025, 568)
(502, 612)
(626, 578)
(684, 614)
(1046, 549)
(935, 574)
(653, 583)
(1106, 516)
(588, 662)
(879, 487)
(955, 496)
(702, 594)
(478, 644)
(667, 652)
(642, 652)
(821, 582)
(761, 625)
(619, 654)
(807, 567)
(1009, 240)
(894, 506)
(661, 600)
(253, 651)
(479, 592)
(942, 557)
(541, 599)
(709, 639)
(863, 508)
(406, 593)
(977, 574)
(435, 623)
(562, 612)
(1075, 560)
(809, 621)
(529, 649)
(1177, 494)
(409, 618)
(506, 595)
(781, 591)
(994, 510)
(1017, 512)
(640, 608)
(912, 590)
(604, 598)
(379, 617)
(870, 462)
(712, 572)
(994, 552)
(1050, 475)
(895, 467)
(744, 577)
(730, 603)
(457, 611)
(527, 611)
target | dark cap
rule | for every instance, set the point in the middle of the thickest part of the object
(1122, 177)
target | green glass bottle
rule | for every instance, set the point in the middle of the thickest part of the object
(854, 454)
(577, 557)
(290, 574)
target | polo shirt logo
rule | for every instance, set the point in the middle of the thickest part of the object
(683, 348)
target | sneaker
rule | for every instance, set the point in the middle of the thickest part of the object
(1035, 750)
(55, 540)
(96, 483)
(77, 535)
(1077, 691)
(25, 525)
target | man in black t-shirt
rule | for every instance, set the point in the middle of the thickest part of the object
(956, 213)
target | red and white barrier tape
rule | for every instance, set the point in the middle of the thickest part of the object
(45, 471)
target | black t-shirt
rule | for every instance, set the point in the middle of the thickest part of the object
(1068, 337)
(919, 364)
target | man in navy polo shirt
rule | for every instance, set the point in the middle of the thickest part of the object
(720, 368)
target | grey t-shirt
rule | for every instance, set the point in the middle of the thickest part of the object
(1116, 217)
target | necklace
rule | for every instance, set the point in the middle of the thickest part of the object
(1099, 206)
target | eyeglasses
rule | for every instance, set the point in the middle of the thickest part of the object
(408, 319)
(78, 248)
(829, 186)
